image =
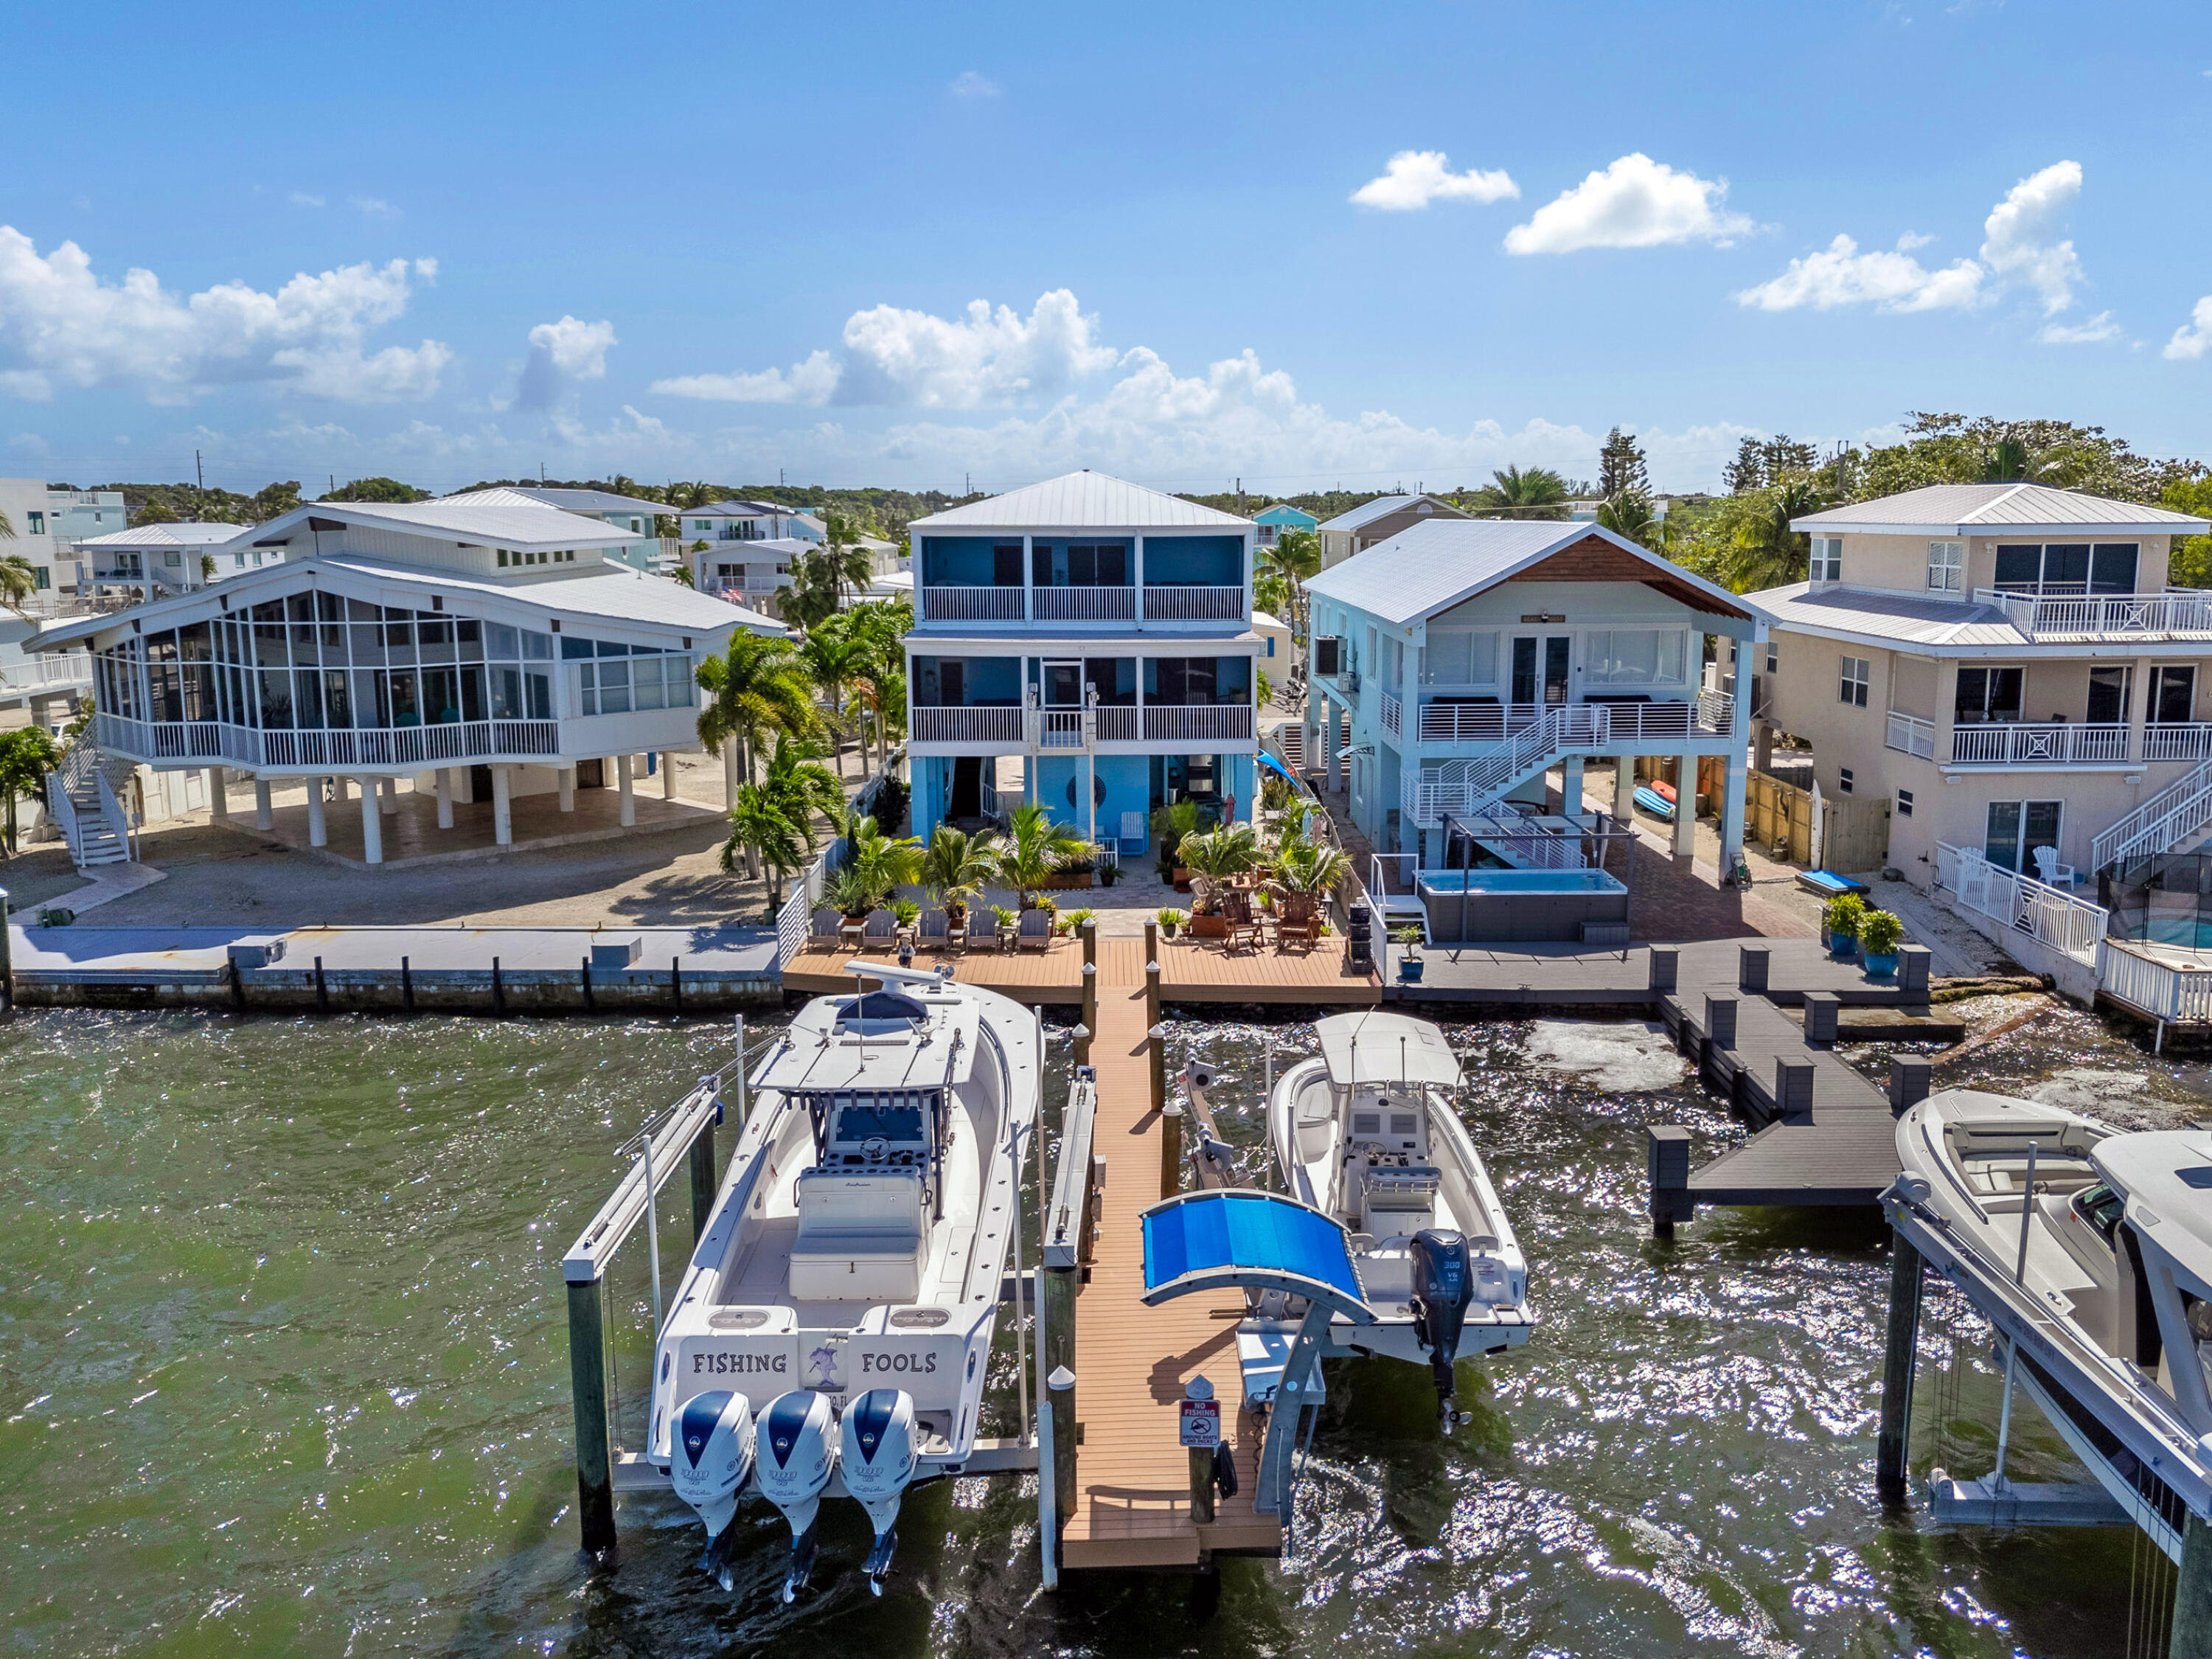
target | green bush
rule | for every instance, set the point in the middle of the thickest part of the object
(1880, 933)
(1845, 913)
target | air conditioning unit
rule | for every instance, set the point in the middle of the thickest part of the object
(1328, 655)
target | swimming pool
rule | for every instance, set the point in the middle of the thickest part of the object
(1519, 881)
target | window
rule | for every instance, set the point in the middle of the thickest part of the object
(2067, 569)
(1773, 658)
(238, 561)
(172, 558)
(1856, 676)
(1986, 696)
(2016, 828)
(1905, 803)
(1639, 656)
(502, 558)
(1947, 567)
(2110, 685)
(1843, 780)
(42, 577)
(1827, 558)
(38, 523)
(1456, 659)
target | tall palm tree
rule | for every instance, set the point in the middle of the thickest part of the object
(758, 687)
(1763, 551)
(795, 775)
(763, 826)
(956, 865)
(853, 565)
(815, 590)
(1630, 515)
(1033, 847)
(833, 659)
(1293, 560)
(19, 577)
(1535, 492)
(26, 754)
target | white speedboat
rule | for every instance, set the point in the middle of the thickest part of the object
(1368, 1134)
(854, 1255)
(2091, 1250)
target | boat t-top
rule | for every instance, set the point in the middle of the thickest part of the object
(2093, 1250)
(1368, 1134)
(834, 1329)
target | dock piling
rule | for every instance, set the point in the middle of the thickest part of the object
(1201, 1460)
(7, 960)
(322, 989)
(1667, 1155)
(589, 1006)
(2192, 1594)
(676, 985)
(587, 1378)
(1666, 967)
(1912, 961)
(1821, 1008)
(229, 968)
(702, 1180)
(1752, 963)
(1720, 1023)
(1908, 1083)
(1793, 1089)
(406, 985)
(498, 991)
(1061, 1386)
(1896, 1366)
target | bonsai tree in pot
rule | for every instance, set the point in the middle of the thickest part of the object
(955, 867)
(1409, 939)
(1880, 934)
(1843, 916)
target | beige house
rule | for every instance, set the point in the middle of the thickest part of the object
(2004, 665)
(1372, 523)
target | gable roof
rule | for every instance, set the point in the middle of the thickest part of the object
(1988, 508)
(1382, 507)
(735, 508)
(1284, 513)
(193, 534)
(488, 524)
(1083, 501)
(1440, 563)
(569, 500)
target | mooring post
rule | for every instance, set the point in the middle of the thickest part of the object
(1088, 1026)
(498, 990)
(1061, 1386)
(1750, 965)
(1904, 1280)
(7, 959)
(1667, 1159)
(1201, 1461)
(322, 990)
(237, 984)
(1908, 1083)
(1156, 1036)
(1720, 1023)
(589, 1006)
(587, 1381)
(1821, 1008)
(1666, 967)
(676, 984)
(2192, 1594)
(406, 985)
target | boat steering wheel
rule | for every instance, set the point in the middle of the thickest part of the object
(875, 1149)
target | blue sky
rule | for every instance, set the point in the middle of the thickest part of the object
(913, 246)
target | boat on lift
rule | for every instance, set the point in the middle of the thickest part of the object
(2090, 1250)
(849, 1277)
(1368, 1134)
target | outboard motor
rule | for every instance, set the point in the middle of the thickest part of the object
(713, 1459)
(876, 1441)
(1443, 1284)
(798, 1454)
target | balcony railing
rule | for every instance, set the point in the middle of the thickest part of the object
(1084, 604)
(2178, 742)
(337, 749)
(1911, 735)
(2177, 610)
(1229, 722)
(1118, 724)
(46, 674)
(2019, 743)
(1064, 728)
(1394, 715)
(941, 604)
(1194, 605)
(1603, 723)
(996, 726)
(1059, 728)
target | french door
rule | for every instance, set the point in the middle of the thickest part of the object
(2017, 827)
(1541, 668)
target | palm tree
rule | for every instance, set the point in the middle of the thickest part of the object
(885, 863)
(1217, 854)
(1630, 515)
(854, 566)
(956, 866)
(26, 754)
(796, 775)
(1537, 493)
(1032, 849)
(1763, 551)
(1293, 560)
(19, 579)
(763, 826)
(756, 689)
(832, 660)
(815, 590)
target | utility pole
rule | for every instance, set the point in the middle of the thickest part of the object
(200, 471)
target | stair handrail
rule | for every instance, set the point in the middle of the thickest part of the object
(2154, 818)
(64, 813)
(1487, 777)
(117, 820)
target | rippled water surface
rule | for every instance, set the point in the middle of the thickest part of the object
(284, 1349)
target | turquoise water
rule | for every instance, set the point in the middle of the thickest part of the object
(1520, 881)
(284, 1362)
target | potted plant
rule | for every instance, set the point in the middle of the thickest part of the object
(1170, 919)
(1010, 923)
(1409, 959)
(1842, 916)
(1880, 934)
(1109, 873)
(1072, 921)
(906, 913)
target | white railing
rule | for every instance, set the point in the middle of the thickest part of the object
(1194, 605)
(1059, 728)
(2052, 915)
(1117, 725)
(1591, 724)
(2160, 824)
(1477, 722)
(966, 724)
(1911, 735)
(2018, 742)
(2160, 989)
(1084, 604)
(46, 672)
(1228, 722)
(398, 746)
(1537, 844)
(942, 604)
(1464, 787)
(1715, 710)
(2177, 610)
(1394, 715)
(796, 919)
(2189, 740)
(64, 811)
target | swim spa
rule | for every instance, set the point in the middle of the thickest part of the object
(1520, 907)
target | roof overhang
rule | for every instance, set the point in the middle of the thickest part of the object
(1814, 524)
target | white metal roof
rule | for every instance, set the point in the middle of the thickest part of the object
(160, 536)
(1996, 510)
(764, 548)
(1877, 613)
(1381, 507)
(1083, 501)
(569, 500)
(513, 524)
(1372, 1047)
(1441, 562)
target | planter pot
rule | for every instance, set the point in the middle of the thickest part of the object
(1842, 946)
(1065, 881)
(1409, 970)
(1168, 928)
(1181, 880)
(1882, 965)
(1209, 927)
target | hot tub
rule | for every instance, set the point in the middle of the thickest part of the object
(1519, 906)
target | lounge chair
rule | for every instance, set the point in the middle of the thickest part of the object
(1036, 931)
(823, 932)
(933, 931)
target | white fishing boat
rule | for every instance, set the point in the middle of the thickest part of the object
(2091, 1250)
(1368, 1134)
(843, 1296)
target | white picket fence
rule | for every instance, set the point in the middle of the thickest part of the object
(2053, 916)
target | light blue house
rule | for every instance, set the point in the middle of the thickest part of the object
(1098, 631)
(1471, 656)
(603, 506)
(1274, 521)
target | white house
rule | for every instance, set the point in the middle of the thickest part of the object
(154, 559)
(740, 520)
(453, 645)
(48, 522)
(641, 551)
(1372, 523)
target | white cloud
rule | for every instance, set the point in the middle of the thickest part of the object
(1840, 275)
(2098, 328)
(375, 207)
(970, 83)
(2194, 338)
(61, 325)
(1414, 178)
(305, 198)
(983, 358)
(1635, 202)
(2021, 231)
(570, 349)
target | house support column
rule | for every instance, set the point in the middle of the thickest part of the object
(1624, 787)
(623, 768)
(318, 834)
(1734, 779)
(668, 775)
(502, 809)
(1685, 808)
(445, 798)
(566, 777)
(1328, 719)
(372, 823)
(1762, 747)
(264, 811)
(388, 796)
(218, 796)
(1571, 786)
(338, 793)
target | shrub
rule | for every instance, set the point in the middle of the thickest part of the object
(1845, 913)
(1170, 917)
(890, 803)
(1006, 918)
(1077, 918)
(1880, 932)
(906, 911)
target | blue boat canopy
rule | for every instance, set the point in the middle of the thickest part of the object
(1213, 1240)
(1266, 759)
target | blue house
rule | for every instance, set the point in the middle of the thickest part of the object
(1274, 521)
(1468, 657)
(1099, 631)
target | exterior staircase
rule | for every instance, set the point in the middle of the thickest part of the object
(1471, 788)
(2171, 821)
(82, 796)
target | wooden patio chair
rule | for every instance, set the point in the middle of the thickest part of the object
(822, 934)
(1237, 911)
(1036, 931)
(1298, 919)
(933, 931)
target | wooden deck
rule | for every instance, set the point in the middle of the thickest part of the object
(1190, 971)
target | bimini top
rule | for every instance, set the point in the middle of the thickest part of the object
(1212, 1240)
(1379, 1048)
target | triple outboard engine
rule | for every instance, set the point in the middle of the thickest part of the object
(713, 1459)
(1443, 1284)
(876, 1454)
(797, 1456)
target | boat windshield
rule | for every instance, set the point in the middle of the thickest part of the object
(871, 1122)
(2101, 1208)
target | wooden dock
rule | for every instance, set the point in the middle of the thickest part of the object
(1191, 971)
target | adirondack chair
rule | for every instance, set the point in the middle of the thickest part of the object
(880, 928)
(1035, 932)
(822, 934)
(1236, 910)
(2048, 869)
(933, 931)
(1297, 918)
